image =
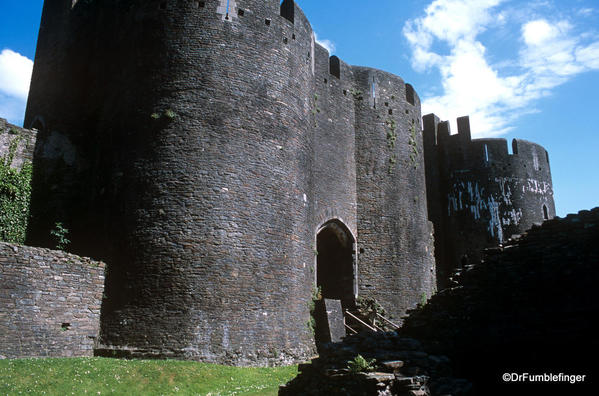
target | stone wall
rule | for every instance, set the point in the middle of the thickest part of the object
(23, 141)
(49, 302)
(197, 147)
(526, 308)
(396, 264)
(479, 194)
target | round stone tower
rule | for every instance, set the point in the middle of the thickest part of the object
(224, 166)
(479, 194)
(175, 145)
(396, 261)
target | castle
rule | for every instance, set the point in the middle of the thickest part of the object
(223, 165)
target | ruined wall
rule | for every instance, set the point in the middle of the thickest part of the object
(17, 142)
(478, 194)
(16, 155)
(197, 147)
(526, 309)
(395, 262)
(50, 302)
(193, 176)
(334, 165)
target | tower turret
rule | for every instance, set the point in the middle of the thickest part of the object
(478, 194)
(177, 149)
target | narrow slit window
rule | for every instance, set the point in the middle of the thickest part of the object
(227, 12)
(545, 213)
(373, 88)
(486, 154)
(410, 94)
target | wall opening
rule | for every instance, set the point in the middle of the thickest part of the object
(545, 213)
(335, 276)
(486, 154)
(410, 94)
(335, 272)
(288, 10)
(38, 124)
(335, 66)
(373, 89)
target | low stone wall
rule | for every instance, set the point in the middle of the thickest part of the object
(49, 302)
(526, 309)
(23, 141)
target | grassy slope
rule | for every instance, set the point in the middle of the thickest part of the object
(100, 376)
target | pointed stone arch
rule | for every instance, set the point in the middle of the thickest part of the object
(336, 265)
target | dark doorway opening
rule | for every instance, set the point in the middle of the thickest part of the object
(335, 262)
(335, 273)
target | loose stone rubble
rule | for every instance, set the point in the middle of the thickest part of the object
(526, 308)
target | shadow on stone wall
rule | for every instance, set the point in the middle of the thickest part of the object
(526, 308)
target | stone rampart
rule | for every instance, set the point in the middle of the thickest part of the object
(49, 302)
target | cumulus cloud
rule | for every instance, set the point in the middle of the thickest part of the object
(448, 39)
(15, 74)
(15, 77)
(328, 44)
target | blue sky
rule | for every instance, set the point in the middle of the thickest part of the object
(525, 69)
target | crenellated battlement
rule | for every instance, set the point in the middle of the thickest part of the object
(479, 194)
(487, 152)
(198, 147)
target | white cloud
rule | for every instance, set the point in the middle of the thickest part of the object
(538, 32)
(15, 77)
(586, 12)
(588, 56)
(328, 44)
(549, 55)
(15, 74)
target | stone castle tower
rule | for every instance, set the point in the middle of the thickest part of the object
(223, 165)
(479, 195)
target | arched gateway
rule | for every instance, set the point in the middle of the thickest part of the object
(336, 274)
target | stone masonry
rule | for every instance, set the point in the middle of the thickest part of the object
(224, 166)
(49, 302)
(528, 307)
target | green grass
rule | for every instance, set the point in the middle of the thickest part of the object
(101, 376)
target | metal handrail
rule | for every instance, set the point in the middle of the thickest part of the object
(361, 321)
(387, 320)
